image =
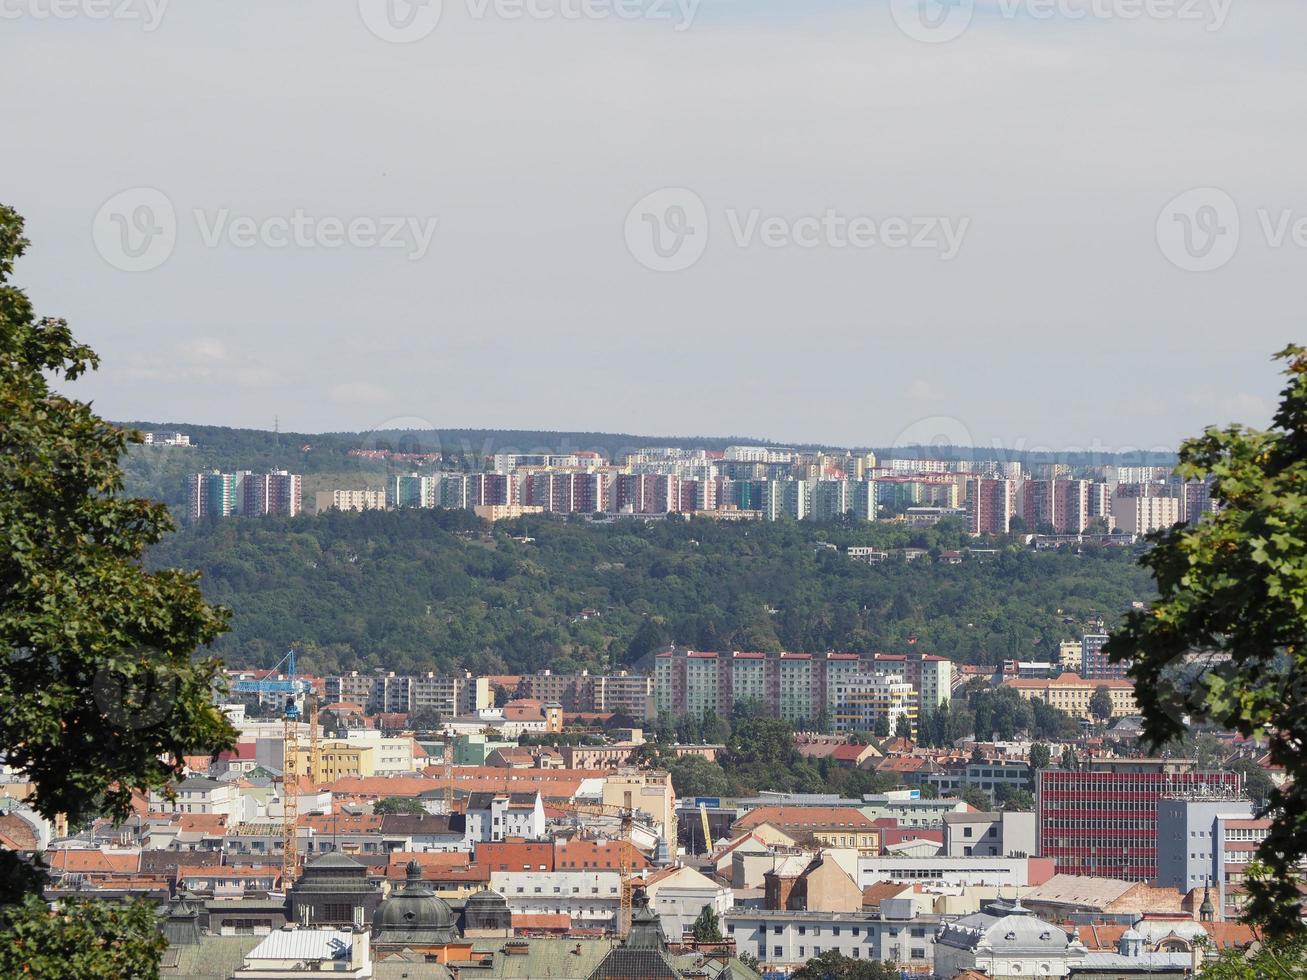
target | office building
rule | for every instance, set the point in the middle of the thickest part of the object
(1102, 819)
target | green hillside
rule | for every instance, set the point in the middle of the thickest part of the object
(439, 590)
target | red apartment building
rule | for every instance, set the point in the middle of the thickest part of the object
(1102, 820)
(1061, 506)
(991, 505)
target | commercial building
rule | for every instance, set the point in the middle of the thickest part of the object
(1103, 819)
(1201, 838)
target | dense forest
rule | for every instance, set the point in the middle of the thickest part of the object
(440, 590)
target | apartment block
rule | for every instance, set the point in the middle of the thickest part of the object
(356, 500)
(216, 494)
(1094, 662)
(413, 490)
(991, 505)
(875, 703)
(276, 493)
(450, 695)
(799, 687)
(1055, 506)
(213, 494)
(1138, 514)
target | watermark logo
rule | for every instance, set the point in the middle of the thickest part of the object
(136, 698)
(136, 229)
(406, 21)
(667, 230)
(400, 21)
(932, 21)
(937, 21)
(147, 13)
(1198, 230)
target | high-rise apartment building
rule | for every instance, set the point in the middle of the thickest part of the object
(414, 490)
(1055, 506)
(213, 494)
(1102, 820)
(1094, 663)
(276, 493)
(216, 494)
(875, 703)
(991, 505)
(1143, 514)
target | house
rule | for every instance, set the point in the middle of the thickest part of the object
(496, 816)
(678, 894)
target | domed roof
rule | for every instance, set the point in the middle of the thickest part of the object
(487, 898)
(332, 859)
(414, 914)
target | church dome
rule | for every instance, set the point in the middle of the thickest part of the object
(414, 914)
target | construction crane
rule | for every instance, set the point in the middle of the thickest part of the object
(625, 866)
(290, 794)
(707, 833)
(273, 682)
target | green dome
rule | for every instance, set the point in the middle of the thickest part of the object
(413, 915)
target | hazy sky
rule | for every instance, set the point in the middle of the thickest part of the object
(869, 236)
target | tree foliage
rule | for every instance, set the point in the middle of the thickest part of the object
(81, 939)
(100, 694)
(707, 926)
(420, 590)
(834, 965)
(392, 805)
(1226, 640)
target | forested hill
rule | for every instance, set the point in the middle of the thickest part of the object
(439, 590)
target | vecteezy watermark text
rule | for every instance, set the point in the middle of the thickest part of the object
(668, 230)
(937, 21)
(148, 13)
(406, 21)
(1200, 230)
(137, 230)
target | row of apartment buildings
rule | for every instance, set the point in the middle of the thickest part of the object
(217, 494)
(460, 695)
(857, 692)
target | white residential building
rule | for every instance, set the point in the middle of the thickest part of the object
(679, 894)
(590, 899)
(497, 816)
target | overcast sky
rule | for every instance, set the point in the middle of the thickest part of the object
(969, 225)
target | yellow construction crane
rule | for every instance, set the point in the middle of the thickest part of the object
(707, 833)
(290, 794)
(625, 866)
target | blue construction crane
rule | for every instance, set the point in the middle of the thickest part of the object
(289, 686)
